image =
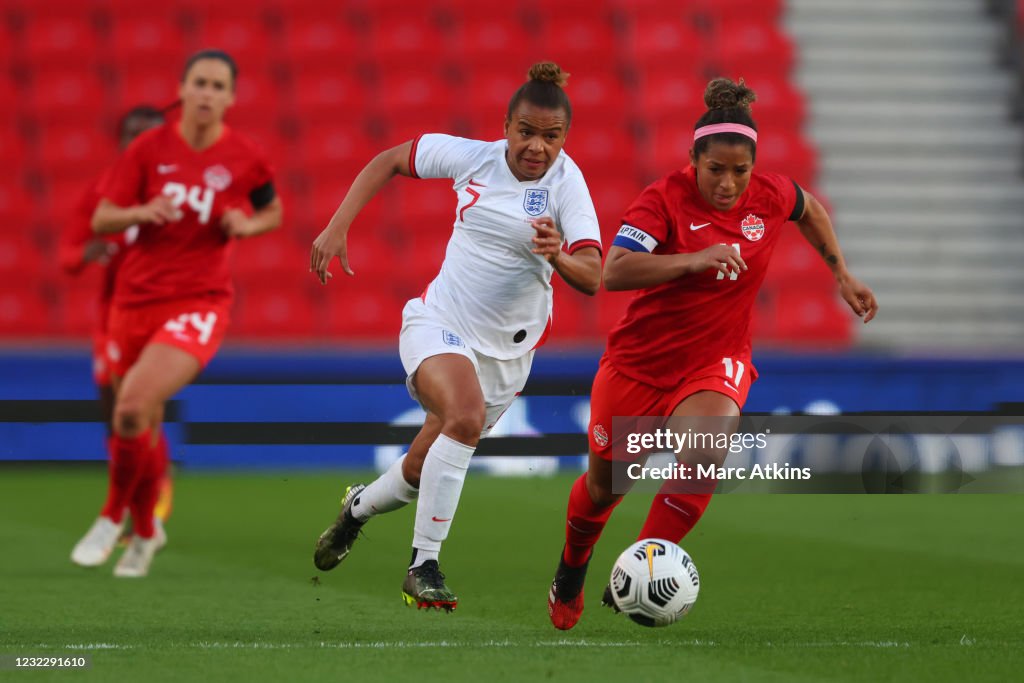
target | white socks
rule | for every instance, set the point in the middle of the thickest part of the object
(387, 492)
(444, 472)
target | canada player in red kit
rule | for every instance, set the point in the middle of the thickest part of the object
(696, 245)
(191, 187)
(79, 247)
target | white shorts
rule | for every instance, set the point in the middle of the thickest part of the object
(425, 334)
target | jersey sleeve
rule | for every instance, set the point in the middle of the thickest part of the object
(577, 218)
(261, 186)
(646, 222)
(788, 197)
(435, 155)
(125, 185)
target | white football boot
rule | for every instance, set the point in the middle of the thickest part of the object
(97, 544)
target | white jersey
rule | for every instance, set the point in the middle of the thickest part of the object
(492, 287)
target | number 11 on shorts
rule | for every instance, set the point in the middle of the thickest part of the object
(734, 377)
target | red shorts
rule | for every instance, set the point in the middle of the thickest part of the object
(196, 326)
(615, 394)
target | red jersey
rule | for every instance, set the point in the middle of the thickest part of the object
(676, 328)
(78, 233)
(190, 257)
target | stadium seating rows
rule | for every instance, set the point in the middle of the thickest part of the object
(323, 87)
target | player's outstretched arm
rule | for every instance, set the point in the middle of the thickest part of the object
(625, 269)
(816, 227)
(332, 242)
(109, 217)
(581, 270)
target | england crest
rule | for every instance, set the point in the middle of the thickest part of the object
(535, 202)
(452, 339)
(753, 227)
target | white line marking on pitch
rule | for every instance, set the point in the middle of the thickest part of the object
(404, 644)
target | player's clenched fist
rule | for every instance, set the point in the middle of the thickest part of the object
(721, 257)
(235, 223)
(159, 210)
(548, 241)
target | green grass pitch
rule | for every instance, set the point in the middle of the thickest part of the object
(794, 588)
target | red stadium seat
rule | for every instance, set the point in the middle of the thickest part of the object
(15, 154)
(17, 207)
(609, 311)
(329, 95)
(572, 314)
(612, 192)
(66, 97)
(364, 311)
(788, 153)
(595, 149)
(140, 38)
(779, 103)
(271, 256)
(811, 316)
(669, 147)
(337, 154)
(274, 310)
(664, 45)
(425, 200)
(494, 45)
(672, 99)
(743, 45)
(79, 305)
(246, 40)
(312, 42)
(76, 153)
(767, 12)
(59, 42)
(156, 87)
(398, 44)
(580, 43)
(19, 257)
(599, 100)
(63, 194)
(24, 309)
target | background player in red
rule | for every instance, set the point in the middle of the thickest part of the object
(80, 247)
(191, 187)
(696, 246)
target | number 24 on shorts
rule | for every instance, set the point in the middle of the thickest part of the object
(201, 323)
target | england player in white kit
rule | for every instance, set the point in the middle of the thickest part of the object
(467, 343)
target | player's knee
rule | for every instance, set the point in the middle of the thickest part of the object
(130, 418)
(412, 467)
(466, 424)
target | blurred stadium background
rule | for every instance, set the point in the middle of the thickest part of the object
(903, 116)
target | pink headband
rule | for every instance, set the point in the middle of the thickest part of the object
(725, 128)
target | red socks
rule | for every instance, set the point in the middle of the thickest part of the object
(672, 515)
(127, 458)
(147, 492)
(584, 523)
(137, 470)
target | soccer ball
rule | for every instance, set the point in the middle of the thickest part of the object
(654, 582)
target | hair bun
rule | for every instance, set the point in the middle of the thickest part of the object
(722, 93)
(548, 72)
